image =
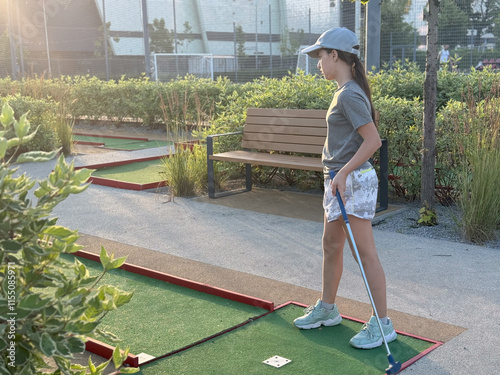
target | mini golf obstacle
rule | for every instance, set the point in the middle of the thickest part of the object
(260, 338)
(132, 174)
(117, 142)
(120, 180)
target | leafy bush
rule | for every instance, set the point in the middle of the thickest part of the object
(186, 170)
(480, 200)
(47, 306)
(42, 116)
(401, 124)
(475, 127)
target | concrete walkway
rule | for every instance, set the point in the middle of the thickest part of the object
(435, 281)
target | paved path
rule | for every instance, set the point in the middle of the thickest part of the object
(450, 282)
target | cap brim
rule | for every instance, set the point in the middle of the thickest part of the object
(312, 51)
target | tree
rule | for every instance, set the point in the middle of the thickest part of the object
(240, 41)
(453, 24)
(427, 193)
(485, 13)
(291, 41)
(496, 29)
(99, 43)
(188, 37)
(393, 24)
(161, 39)
(428, 185)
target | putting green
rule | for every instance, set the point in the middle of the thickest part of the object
(143, 172)
(120, 143)
(163, 317)
(318, 351)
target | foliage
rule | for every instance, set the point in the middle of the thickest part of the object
(401, 124)
(393, 27)
(405, 82)
(480, 201)
(291, 41)
(186, 170)
(427, 217)
(161, 39)
(189, 37)
(453, 24)
(42, 116)
(47, 305)
(99, 43)
(476, 129)
(240, 41)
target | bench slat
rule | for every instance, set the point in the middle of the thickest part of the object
(285, 147)
(272, 160)
(279, 112)
(290, 130)
(287, 121)
(280, 138)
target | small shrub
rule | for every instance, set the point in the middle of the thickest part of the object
(401, 124)
(480, 200)
(47, 306)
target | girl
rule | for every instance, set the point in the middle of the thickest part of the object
(352, 138)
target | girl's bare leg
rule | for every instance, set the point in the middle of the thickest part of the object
(333, 248)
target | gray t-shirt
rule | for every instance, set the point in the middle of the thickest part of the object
(350, 109)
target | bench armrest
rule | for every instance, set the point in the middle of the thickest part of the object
(223, 134)
(210, 141)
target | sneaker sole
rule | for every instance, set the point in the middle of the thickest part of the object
(326, 323)
(390, 338)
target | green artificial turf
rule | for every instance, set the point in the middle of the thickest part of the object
(163, 317)
(143, 172)
(120, 143)
(318, 351)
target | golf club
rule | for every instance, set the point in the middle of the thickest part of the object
(394, 366)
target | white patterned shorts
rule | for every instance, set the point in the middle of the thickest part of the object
(360, 197)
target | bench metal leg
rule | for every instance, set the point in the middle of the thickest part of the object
(248, 176)
(383, 187)
(210, 168)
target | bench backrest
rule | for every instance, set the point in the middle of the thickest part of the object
(289, 130)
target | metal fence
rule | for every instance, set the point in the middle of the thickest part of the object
(249, 38)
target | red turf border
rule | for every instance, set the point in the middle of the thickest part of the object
(435, 344)
(106, 351)
(123, 184)
(112, 136)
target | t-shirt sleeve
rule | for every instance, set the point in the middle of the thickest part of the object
(355, 108)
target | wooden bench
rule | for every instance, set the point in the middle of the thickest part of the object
(285, 133)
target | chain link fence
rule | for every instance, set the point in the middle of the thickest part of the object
(246, 39)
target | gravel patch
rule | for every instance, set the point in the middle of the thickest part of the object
(405, 220)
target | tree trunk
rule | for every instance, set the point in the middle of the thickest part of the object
(427, 192)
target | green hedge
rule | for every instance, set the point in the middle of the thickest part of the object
(188, 103)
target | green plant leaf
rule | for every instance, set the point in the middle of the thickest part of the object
(33, 302)
(117, 357)
(129, 370)
(3, 147)
(22, 126)
(47, 345)
(7, 116)
(37, 156)
(11, 246)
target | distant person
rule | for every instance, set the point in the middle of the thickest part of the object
(444, 55)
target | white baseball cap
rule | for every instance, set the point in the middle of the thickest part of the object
(338, 38)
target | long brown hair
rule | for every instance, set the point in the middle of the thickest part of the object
(358, 73)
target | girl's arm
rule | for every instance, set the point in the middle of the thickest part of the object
(371, 143)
